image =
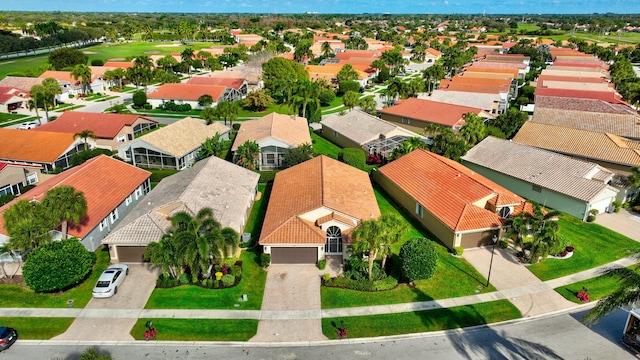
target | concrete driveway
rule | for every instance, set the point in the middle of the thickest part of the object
(515, 282)
(94, 323)
(291, 291)
(625, 222)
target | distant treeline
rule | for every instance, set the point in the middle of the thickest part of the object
(10, 42)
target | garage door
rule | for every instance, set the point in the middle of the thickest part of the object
(131, 254)
(477, 239)
(294, 255)
(602, 205)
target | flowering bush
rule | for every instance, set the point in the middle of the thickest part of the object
(341, 331)
(570, 249)
(373, 159)
(583, 296)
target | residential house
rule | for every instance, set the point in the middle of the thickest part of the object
(182, 93)
(431, 55)
(110, 130)
(557, 181)
(275, 134)
(357, 129)
(15, 176)
(70, 86)
(493, 103)
(459, 206)
(111, 187)
(51, 150)
(252, 74)
(12, 99)
(415, 114)
(175, 146)
(228, 189)
(313, 208)
(578, 104)
(239, 84)
(625, 125)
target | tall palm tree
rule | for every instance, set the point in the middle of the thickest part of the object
(634, 178)
(326, 50)
(163, 253)
(65, 205)
(308, 91)
(393, 228)
(247, 155)
(85, 135)
(474, 130)
(187, 58)
(82, 72)
(213, 146)
(27, 225)
(51, 88)
(33, 105)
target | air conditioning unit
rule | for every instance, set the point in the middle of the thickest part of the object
(246, 237)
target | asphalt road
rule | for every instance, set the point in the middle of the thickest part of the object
(560, 336)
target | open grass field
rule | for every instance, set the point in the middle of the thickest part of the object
(594, 245)
(195, 297)
(16, 296)
(422, 321)
(454, 276)
(36, 328)
(198, 329)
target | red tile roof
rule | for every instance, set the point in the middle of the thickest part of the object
(453, 193)
(431, 111)
(608, 96)
(104, 126)
(188, 92)
(234, 83)
(36, 146)
(119, 64)
(105, 182)
(319, 183)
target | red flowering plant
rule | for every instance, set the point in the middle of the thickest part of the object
(583, 295)
(341, 331)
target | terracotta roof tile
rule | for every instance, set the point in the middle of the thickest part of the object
(37, 146)
(105, 182)
(430, 111)
(319, 183)
(19, 82)
(234, 83)
(188, 92)
(626, 125)
(105, 126)
(592, 105)
(451, 192)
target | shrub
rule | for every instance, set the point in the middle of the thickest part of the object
(184, 278)
(236, 126)
(265, 259)
(591, 218)
(349, 86)
(139, 98)
(84, 155)
(458, 250)
(418, 258)
(593, 212)
(208, 283)
(216, 284)
(387, 283)
(194, 279)
(236, 270)
(504, 243)
(147, 106)
(228, 279)
(326, 97)
(57, 265)
(6, 198)
(373, 159)
(326, 277)
(97, 62)
(322, 264)
(354, 157)
(616, 206)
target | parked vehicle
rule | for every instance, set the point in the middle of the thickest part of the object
(7, 337)
(111, 278)
(28, 125)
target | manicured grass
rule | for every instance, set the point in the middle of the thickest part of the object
(528, 27)
(322, 146)
(254, 224)
(336, 110)
(454, 276)
(23, 66)
(36, 328)
(128, 50)
(599, 287)
(195, 297)
(422, 321)
(198, 329)
(5, 117)
(594, 245)
(17, 296)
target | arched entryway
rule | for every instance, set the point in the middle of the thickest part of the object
(334, 241)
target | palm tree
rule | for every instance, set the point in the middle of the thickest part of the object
(351, 99)
(366, 239)
(119, 74)
(474, 130)
(27, 225)
(538, 223)
(65, 205)
(368, 104)
(407, 147)
(187, 58)
(163, 253)
(228, 110)
(308, 91)
(247, 155)
(626, 295)
(51, 89)
(82, 72)
(211, 147)
(33, 105)
(393, 228)
(326, 50)
(634, 178)
(84, 135)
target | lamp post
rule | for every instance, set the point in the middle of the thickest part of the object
(493, 248)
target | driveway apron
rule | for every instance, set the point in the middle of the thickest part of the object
(94, 323)
(625, 222)
(291, 292)
(516, 283)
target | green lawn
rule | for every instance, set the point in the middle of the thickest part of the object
(454, 276)
(17, 296)
(322, 146)
(599, 287)
(5, 117)
(198, 329)
(254, 224)
(594, 245)
(422, 321)
(36, 328)
(195, 297)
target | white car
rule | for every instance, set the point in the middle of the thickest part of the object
(111, 278)
(28, 125)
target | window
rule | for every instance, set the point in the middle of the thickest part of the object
(335, 134)
(121, 138)
(334, 241)
(405, 121)
(6, 190)
(103, 224)
(419, 210)
(128, 200)
(32, 178)
(114, 216)
(271, 159)
(138, 193)
(536, 188)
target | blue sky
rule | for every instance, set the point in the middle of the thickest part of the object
(333, 6)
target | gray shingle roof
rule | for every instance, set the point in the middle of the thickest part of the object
(540, 167)
(625, 125)
(362, 127)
